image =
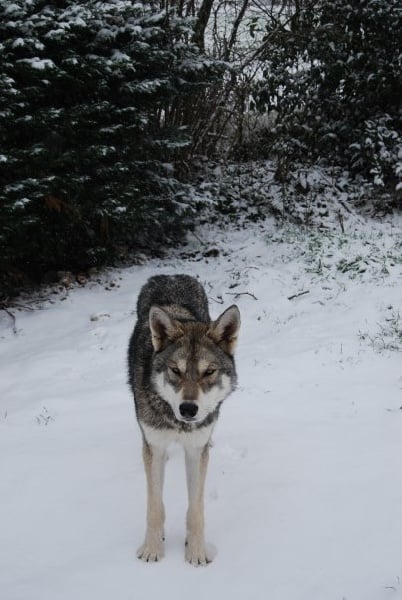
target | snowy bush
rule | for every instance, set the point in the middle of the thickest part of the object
(313, 195)
(87, 91)
(332, 73)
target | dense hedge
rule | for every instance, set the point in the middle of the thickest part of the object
(333, 82)
(85, 142)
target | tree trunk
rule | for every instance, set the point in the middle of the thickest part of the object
(202, 22)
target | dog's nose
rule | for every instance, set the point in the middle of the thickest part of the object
(188, 410)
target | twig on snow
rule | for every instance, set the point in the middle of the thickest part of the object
(24, 307)
(218, 300)
(341, 223)
(237, 294)
(198, 238)
(10, 314)
(297, 295)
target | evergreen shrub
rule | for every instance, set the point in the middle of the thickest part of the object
(86, 142)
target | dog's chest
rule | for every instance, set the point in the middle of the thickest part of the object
(164, 437)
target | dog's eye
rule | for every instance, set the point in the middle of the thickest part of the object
(175, 370)
(209, 372)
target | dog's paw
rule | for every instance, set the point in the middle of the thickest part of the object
(151, 551)
(197, 554)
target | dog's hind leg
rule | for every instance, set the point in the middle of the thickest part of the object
(196, 469)
(154, 461)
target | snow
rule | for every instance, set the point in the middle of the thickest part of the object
(106, 34)
(12, 9)
(40, 64)
(121, 56)
(18, 43)
(22, 202)
(304, 489)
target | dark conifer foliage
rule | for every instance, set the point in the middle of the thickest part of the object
(86, 140)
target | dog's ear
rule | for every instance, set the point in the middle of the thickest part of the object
(163, 327)
(225, 329)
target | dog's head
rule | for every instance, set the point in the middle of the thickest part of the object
(193, 366)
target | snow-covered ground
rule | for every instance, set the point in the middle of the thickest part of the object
(304, 489)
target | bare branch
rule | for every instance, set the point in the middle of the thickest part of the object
(236, 25)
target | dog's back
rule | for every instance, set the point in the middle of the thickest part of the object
(180, 292)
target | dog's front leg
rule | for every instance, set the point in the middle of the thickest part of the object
(154, 461)
(196, 469)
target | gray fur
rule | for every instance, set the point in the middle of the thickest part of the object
(184, 298)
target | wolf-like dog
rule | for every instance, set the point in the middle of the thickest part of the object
(181, 368)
